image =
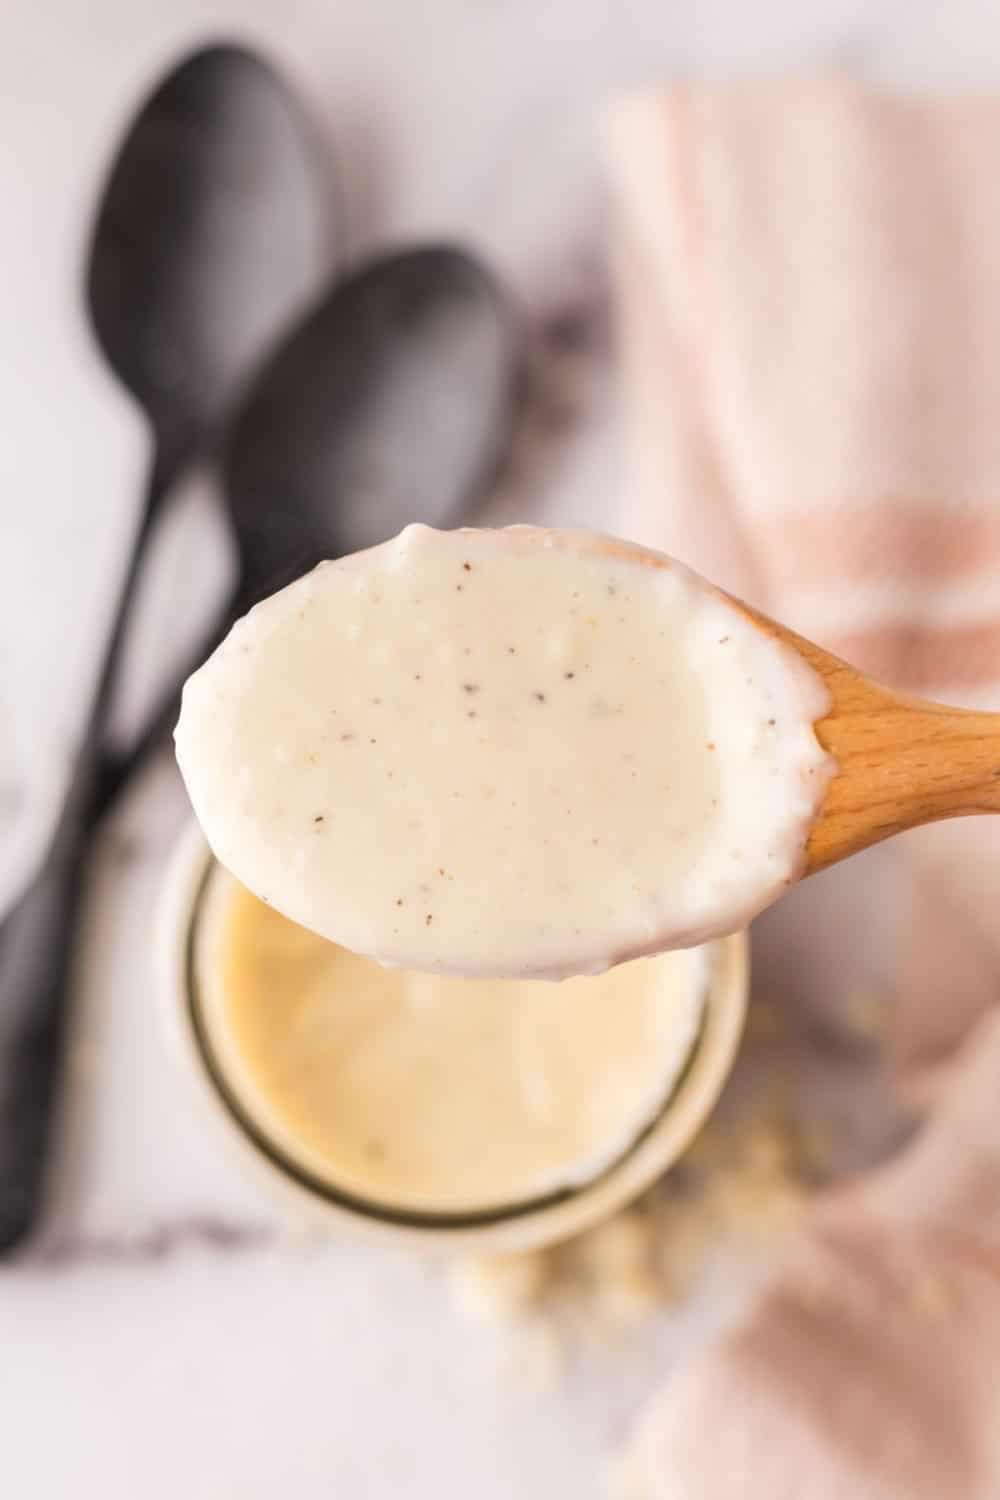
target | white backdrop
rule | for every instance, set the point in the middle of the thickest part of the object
(152, 1359)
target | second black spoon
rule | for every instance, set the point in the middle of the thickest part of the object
(392, 401)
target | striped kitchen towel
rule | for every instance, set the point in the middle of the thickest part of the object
(808, 281)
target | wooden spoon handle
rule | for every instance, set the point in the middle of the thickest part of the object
(901, 761)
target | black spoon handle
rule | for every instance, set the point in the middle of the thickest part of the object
(37, 937)
(36, 948)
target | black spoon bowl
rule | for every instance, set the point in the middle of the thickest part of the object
(392, 401)
(209, 236)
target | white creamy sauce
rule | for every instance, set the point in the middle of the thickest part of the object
(518, 753)
(432, 1093)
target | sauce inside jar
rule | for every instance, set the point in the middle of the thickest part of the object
(428, 1093)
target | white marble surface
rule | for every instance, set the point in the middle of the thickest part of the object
(169, 1336)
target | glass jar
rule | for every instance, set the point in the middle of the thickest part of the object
(182, 951)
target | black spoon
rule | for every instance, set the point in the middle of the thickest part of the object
(392, 401)
(208, 238)
(210, 235)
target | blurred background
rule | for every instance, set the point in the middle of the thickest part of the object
(166, 1332)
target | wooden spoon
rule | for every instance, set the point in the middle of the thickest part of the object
(902, 761)
(608, 825)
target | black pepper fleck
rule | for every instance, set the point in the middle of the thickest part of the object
(467, 566)
(540, 697)
(470, 687)
(569, 676)
(345, 737)
(772, 722)
(318, 818)
(399, 901)
(428, 919)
